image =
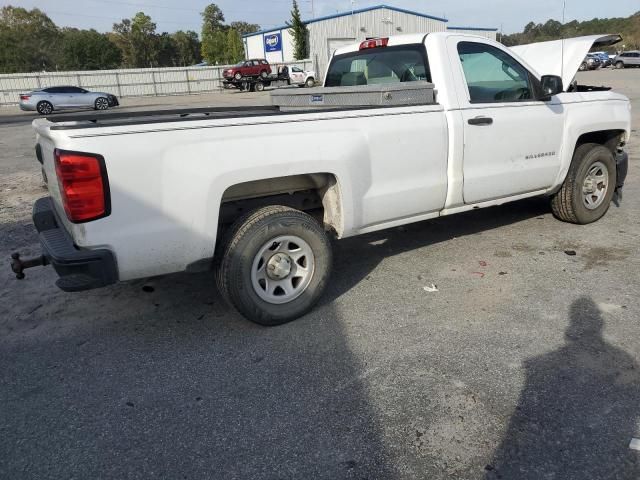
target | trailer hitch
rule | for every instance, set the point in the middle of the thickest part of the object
(18, 265)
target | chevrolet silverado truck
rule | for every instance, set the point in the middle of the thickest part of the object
(134, 195)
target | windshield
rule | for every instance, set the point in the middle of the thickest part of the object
(403, 63)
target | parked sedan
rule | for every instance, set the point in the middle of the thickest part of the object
(46, 100)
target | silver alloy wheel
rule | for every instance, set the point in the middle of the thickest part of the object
(594, 188)
(45, 108)
(282, 269)
(102, 103)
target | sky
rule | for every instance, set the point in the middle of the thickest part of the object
(172, 15)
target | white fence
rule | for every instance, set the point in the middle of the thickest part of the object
(134, 82)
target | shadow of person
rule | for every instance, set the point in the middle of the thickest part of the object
(577, 411)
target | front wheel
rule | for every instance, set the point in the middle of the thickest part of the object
(587, 191)
(259, 87)
(44, 107)
(275, 264)
(237, 76)
(310, 82)
(101, 103)
(264, 74)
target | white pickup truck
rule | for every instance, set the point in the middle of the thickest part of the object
(134, 195)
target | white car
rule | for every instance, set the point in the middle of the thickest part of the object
(46, 100)
(141, 194)
(302, 78)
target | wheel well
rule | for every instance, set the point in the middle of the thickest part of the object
(608, 138)
(316, 193)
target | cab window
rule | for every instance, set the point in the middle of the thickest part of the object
(383, 65)
(492, 75)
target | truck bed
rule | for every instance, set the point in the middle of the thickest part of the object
(286, 102)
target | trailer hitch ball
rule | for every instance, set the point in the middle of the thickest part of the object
(18, 265)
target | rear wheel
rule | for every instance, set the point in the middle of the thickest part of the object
(101, 103)
(259, 87)
(44, 107)
(585, 195)
(275, 265)
(619, 65)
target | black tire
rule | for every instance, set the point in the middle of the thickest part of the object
(583, 66)
(568, 203)
(619, 65)
(259, 87)
(264, 74)
(44, 107)
(101, 103)
(310, 82)
(244, 241)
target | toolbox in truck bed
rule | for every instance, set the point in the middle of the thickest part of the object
(383, 95)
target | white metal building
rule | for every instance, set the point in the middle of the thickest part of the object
(326, 34)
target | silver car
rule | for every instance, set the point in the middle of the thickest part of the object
(627, 59)
(46, 100)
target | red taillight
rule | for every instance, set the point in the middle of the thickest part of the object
(374, 43)
(25, 97)
(83, 185)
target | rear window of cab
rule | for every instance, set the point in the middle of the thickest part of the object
(381, 65)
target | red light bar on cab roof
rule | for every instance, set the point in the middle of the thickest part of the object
(374, 43)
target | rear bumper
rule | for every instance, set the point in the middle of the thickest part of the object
(78, 268)
(27, 107)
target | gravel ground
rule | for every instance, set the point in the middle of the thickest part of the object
(523, 365)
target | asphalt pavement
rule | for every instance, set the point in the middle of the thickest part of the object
(524, 364)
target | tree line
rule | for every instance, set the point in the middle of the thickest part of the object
(628, 27)
(30, 41)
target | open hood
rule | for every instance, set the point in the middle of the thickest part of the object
(548, 58)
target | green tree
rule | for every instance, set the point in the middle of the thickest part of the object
(87, 50)
(300, 34)
(137, 40)
(28, 40)
(214, 37)
(628, 27)
(167, 50)
(243, 27)
(187, 47)
(234, 48)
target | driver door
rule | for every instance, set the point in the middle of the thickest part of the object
(511, 140)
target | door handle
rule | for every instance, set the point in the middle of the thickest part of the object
(480, 121)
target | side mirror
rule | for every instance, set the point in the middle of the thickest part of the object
(551, 85)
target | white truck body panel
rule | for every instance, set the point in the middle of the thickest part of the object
(393, 165)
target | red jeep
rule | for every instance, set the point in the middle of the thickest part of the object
(257, 67)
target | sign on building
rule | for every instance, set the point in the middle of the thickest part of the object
(273, 42)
